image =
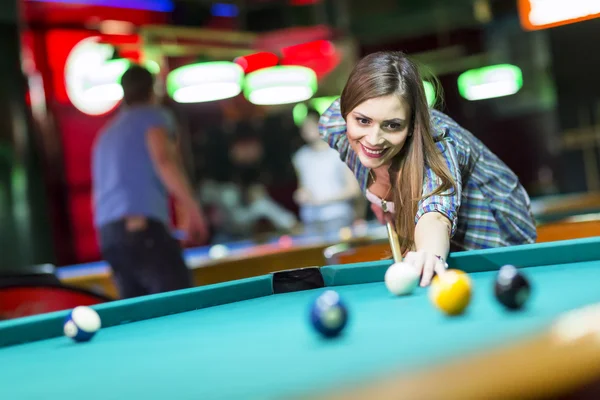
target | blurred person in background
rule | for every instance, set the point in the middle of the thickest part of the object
(327, 188)
(135, 167)
(242, 207)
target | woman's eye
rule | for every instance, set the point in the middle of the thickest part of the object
(362, 121)
(393, 126)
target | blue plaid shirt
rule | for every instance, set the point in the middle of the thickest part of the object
(490, 207)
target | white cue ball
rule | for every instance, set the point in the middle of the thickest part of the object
(401, 278)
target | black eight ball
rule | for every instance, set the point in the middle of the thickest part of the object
(512, 289)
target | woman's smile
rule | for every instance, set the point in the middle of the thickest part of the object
(373, 152)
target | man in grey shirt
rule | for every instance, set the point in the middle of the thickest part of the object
(135, 168)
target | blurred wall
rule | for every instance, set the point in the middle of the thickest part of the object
(24, 224)
(576, 71)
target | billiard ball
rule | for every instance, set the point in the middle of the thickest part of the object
(328, 314)
(218, 251)
(401, 278)
(81, 324)
(345, 234)
(511, 288)
(451, 292)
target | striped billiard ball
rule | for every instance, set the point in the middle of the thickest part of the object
(81, 324)
(328, 314)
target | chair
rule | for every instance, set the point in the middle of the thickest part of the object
(40, 274)
(23, 300)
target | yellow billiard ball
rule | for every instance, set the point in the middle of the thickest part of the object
(451, 292)
(345, 234)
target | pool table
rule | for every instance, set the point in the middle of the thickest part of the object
(245, 259)
(567, 216)
(562, 206)
(251, 338)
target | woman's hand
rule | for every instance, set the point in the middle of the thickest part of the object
(382, 217)
(427, 264)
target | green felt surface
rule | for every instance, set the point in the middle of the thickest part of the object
(264, 348)
(531, 255)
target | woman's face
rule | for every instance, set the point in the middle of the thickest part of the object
(377, 129)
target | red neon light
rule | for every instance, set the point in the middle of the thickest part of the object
(253, 62)
(319, 55)
(303, 2)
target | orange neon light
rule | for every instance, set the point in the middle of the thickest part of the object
(544, 14)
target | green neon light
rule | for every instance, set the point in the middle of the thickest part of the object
(280, 85)
(429, 93)
(490, 82)
(300, 112)
(206, 81)
(321, 104)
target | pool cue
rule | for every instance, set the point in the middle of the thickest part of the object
(392, 236)
(394, 243)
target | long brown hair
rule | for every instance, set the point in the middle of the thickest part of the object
(392, 72)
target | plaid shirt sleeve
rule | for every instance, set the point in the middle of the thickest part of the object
(332, 128)
(446, 203)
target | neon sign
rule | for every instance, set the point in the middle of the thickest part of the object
(542, 14)
(490, 82)
(92, 88)
(149, 5)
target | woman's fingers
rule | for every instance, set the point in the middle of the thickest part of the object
(426, 265)
(382, 216)
(428, 269)
(416, 259)
(378, 211)
(440, 266)
(388, 217)
(409, 257)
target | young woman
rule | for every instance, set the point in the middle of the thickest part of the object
(443, 189)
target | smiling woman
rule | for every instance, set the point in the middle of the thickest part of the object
(378, 108)
(442, 187)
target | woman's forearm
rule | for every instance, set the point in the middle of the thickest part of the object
(432, 234)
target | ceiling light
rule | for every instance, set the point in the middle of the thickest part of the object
(206, 81)
(280, 85)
